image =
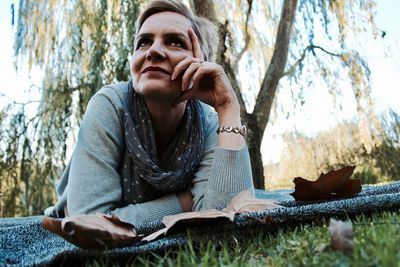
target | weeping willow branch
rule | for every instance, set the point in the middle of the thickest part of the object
(13, 102)
(309, 48)
(26, 125)
(247, 39)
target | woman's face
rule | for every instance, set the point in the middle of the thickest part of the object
(162, 42)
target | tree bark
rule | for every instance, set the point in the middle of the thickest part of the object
(254, 139)
(256, 121)
(275, 70)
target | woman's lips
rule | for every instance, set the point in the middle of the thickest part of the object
(154, 70)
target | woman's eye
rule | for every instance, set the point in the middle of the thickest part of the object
(176, 42)
(143, 42)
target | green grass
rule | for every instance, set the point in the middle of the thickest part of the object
(376, 243)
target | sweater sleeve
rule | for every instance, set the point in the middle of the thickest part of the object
(93, 179)
(222, 173)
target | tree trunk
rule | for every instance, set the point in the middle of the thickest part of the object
(254, 138)
(267, 91)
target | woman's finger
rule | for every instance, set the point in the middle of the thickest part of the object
(187, 76)
(183, 65)
(206, 69)
(195, 45)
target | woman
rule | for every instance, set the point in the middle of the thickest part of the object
(149, 147)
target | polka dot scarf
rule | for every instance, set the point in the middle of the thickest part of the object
(146, 175)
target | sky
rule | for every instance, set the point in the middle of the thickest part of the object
(384, 61)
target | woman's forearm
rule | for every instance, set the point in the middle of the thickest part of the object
(146, 212)
(229, 116)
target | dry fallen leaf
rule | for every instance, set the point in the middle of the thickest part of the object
(93, 230)
(334, 184)
(243, 202)
(170, 221)
(341, 236)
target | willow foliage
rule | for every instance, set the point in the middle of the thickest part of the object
(81, 45)
(326, 51)
(327, 39)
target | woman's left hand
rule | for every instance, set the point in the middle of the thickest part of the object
(206, 81)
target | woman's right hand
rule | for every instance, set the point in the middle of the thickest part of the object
(204, 80)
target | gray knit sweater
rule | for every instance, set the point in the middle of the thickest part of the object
(91, 182)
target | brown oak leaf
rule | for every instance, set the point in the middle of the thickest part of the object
(334, 184)
(93, 230)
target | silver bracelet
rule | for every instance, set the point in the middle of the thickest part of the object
(237, 130)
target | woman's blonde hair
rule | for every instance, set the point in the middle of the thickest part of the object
(205, 30)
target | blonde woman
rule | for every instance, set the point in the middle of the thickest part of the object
(168, 141)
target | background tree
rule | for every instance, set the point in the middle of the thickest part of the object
(239, 30)
(82, 45)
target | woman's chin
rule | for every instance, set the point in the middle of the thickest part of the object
(163, 94)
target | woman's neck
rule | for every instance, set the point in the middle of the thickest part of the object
(165, 120)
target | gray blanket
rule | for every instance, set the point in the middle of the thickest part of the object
(23, 242)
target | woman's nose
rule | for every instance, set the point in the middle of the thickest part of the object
(155, 52)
